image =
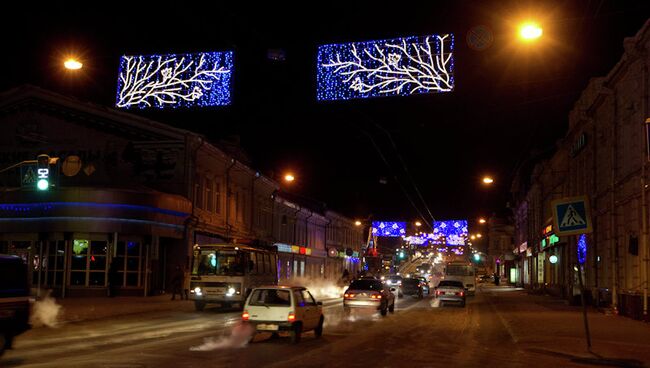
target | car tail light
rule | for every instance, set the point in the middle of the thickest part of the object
(375, 296)
(438, 292)
(245, 316)
(462, 293)
(291, 317)
(350, 295)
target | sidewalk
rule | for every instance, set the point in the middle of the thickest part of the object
(92, 308)
(544, 324)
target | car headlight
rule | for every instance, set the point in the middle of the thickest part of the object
(197, 291)
(231, 291)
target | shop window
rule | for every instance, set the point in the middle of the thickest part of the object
(88, 262)
(53, 263)
(128, 258)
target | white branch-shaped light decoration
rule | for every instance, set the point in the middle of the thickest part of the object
(175, 80)
(390, 67)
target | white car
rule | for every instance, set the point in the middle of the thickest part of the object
(284, 309)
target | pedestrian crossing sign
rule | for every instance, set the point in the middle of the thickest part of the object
(571, 216)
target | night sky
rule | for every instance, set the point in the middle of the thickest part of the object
(362, 157)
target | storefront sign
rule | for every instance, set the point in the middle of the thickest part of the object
(286, 248)
(295, 249)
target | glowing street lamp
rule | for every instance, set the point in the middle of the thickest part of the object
(472, 237)
(481, 221)
(488, 180)
(357, 223)
(478, 235)
(530, 31)
(418, 223)
(72, 64)
(289, 178)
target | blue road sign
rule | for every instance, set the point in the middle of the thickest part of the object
(571, 216)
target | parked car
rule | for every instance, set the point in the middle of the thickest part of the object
(412, 287)
(425, 285)
(451, 291)
(284, 309)
(14, 300)
(369, 294)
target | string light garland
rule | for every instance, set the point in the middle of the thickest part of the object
(582, 249)
(388, 228)
(399, 66)
(175, 80)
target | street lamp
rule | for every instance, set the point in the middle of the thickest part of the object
(488, 180)
(357, 223)
(418, 223)
(530, 31)
(72, 64)
(481, 221)
(289, 178)
(479, 235)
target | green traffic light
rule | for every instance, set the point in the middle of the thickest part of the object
(477, 257)
(43, 184)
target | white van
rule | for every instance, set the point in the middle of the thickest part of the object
(278, 309)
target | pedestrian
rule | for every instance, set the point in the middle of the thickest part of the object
(177, 283)
(186, 284)
(496, 279)
(113, 281)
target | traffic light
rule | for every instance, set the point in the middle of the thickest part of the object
(43, 172)
(477, 257)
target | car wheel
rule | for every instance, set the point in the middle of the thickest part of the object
(296, 333)
(442, 304)
(384, 310)
(199, 305)
(319, 330)
(462, 304)
(392, 307)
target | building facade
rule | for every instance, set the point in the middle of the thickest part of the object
(132, 193)
(604, 156)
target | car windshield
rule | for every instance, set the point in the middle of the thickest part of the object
(270, 297)
(394, 278)
(221, 262)
(366, 285)
(450, 283)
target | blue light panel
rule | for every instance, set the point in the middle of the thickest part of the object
(387, 228)
(175, 80)
(393, 67)
(582, 249)
(454, 231)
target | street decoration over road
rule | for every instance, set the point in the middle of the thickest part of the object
(454, 232)
(400, 66)
(387, 228)
(175, 80)
(571, 216)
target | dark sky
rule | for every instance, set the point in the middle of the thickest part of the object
(509, 99)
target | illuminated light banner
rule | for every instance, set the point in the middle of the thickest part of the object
(399, 66)
(454, 232)
(386, 228)
(175, 80)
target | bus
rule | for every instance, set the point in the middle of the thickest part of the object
(224, 274)
(464, 272)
